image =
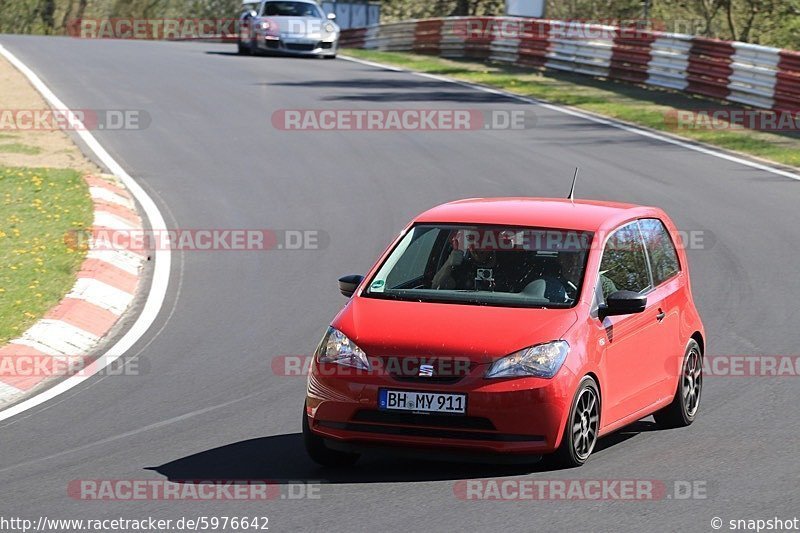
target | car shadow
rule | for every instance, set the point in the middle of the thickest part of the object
(282, 459)
(380, 88)
(220, 53)
(626, 433)
(254, 56)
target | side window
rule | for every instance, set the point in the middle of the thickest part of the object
(413, 262)
(660, 248)
(624, 264)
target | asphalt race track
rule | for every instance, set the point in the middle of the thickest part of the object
(209, 406)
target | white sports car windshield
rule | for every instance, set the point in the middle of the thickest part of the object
(292, 9)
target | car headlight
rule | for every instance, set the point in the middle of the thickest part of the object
(330, 28)
(264, 25)
(542, 360)
(337, 348)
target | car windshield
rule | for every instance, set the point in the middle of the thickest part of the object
(292, 9)
(480, 265)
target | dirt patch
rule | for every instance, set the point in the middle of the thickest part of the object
(33, 148)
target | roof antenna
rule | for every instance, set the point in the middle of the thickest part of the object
(571, 196)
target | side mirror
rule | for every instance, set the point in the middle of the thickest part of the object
(331, 16)
(349, 284)
(623, 303)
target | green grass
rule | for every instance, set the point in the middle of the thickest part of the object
(18, 148)
(622, 101)
(38, 209)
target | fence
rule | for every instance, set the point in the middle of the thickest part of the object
(753, 75)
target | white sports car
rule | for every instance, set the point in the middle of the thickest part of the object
(294, 27)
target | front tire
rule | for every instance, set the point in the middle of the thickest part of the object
(583, 426)
(241, 49)
(321, 454)
(683, 409)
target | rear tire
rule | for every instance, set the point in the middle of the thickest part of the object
(321, 454)
(329, 57)
(683, 409)
(582, 428)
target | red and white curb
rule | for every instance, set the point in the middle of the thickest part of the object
(105, 288)
(153, 296)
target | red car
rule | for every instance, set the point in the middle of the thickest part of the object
(513, 327)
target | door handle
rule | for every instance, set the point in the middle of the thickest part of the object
(660, 316)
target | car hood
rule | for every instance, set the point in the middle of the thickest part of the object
(422, 329)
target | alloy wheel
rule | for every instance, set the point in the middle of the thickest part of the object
(692, 382)
(585, 424)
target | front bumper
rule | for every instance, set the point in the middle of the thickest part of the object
(297, 47)
(504, 416)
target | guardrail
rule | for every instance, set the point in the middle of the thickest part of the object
(758, 76)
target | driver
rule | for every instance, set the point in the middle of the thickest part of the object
(464, 270)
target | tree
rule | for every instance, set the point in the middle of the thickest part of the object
(771, 22)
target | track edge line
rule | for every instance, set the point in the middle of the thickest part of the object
(163, 256)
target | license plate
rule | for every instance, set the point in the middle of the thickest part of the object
(426, 402)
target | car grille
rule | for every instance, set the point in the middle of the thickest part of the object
(445, 370)
(434, 420)
(300, 47)
(433, 379)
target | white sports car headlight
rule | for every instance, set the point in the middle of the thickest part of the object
(337, 348)
(542, 360)
(329, 27)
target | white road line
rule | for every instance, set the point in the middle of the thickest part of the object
(703, 149)
(163, 256)
(371, 64)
